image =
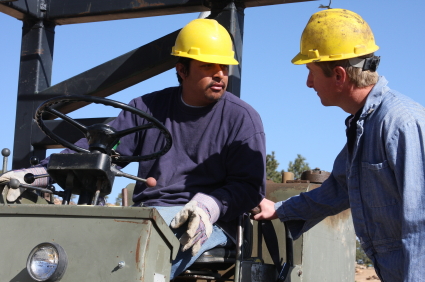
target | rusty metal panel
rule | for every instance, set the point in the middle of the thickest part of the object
(95, 239)
(324, 253)
(329, 250)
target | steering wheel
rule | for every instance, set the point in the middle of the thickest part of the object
(101, 136)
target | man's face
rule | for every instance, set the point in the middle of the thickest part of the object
(205, 83)
(324, 86)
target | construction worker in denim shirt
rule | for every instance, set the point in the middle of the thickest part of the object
(380, 172)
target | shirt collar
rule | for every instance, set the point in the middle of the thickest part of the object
(375, 96)
(352, 119)
(196, 110)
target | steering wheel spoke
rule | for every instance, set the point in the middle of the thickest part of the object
(128, 131)
(102, 137)
(75, 123)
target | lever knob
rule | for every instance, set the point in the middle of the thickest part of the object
(34, 160)
(5, 152)
(151, 182)
(29, 178)
(14, 183)
(51, 188)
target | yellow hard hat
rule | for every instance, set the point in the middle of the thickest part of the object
(205, 40)
(335, 34)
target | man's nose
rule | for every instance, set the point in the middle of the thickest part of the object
(309, 81)
(219, 71)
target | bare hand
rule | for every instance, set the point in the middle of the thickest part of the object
(267, 212)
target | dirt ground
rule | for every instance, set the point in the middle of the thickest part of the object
(365, 274)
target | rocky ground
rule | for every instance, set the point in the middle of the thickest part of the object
(365, 274)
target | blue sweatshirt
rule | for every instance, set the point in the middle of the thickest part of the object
(218, 150)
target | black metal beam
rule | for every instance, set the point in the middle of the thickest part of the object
(21, 9)
(232, 18)
(117, 74)
(78, 11)
(63, 12)
(34, 75)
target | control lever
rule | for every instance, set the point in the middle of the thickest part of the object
(6, 153)
(268, 232)
(150, 181)
(34, 161)
(15, 184)
(30, 178)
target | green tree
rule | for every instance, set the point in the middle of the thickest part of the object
(118, 200)
(361, 255)
(298, 166)
(271, 166)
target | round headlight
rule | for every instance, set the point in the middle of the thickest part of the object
(47, 262)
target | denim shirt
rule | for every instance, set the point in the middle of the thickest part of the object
(383, 183)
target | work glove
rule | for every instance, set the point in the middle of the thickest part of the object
(200, 214)
(19, 174)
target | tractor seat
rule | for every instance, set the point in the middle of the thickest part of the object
(220, 258)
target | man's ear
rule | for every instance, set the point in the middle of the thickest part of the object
(181, 70)
(340, 76)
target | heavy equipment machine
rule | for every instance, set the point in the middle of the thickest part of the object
(85, 242)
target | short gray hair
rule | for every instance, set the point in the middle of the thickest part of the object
(356, 75)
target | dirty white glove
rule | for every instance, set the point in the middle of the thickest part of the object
(19, 174)
(200, 214)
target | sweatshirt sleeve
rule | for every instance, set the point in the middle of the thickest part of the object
(244, 186)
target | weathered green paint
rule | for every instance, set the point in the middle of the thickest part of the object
(325, 253)
(95, 239)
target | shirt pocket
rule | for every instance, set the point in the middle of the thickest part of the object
(378, 184)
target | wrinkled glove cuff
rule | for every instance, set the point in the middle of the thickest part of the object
(212, 208)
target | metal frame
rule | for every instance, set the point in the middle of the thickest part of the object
(39, 19)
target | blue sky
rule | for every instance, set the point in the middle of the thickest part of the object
(294, 120)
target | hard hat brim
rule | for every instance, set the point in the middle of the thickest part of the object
(221, 60)
(301, 59)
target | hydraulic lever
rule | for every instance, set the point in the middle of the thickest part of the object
(150, 181)
(30, 178)
(15, 184)
(266, 230)
(5, 152)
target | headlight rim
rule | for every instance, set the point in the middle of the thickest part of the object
(61, 266)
